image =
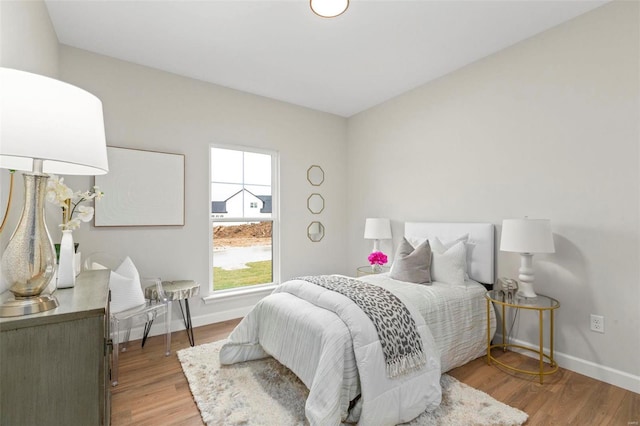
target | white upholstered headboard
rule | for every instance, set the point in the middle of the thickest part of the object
(480, 247)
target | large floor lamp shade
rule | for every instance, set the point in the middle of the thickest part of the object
(46, 126)
(527, 237)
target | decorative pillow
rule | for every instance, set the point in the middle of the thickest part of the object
(449, 265)
(412, 265)
(124, 283)
(415, 241)
(447, 245)
(468, 246)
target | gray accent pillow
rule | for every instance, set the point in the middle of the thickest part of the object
(412, 265)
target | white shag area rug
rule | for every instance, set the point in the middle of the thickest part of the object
(264, 392)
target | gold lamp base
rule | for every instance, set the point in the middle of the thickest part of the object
(25, 306)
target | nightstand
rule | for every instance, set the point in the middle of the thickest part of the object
(540, 304)
(368, 270)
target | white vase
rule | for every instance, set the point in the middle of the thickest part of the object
(67, 262)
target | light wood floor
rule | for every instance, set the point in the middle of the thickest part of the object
(153, 390)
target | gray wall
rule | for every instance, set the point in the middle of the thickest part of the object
(549, 129)
(150, 109)
(29, 43)
(154, 110)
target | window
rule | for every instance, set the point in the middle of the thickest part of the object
(243, 217)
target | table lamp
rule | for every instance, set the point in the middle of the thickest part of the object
(377, 229)
(46, 126)
(526, 236)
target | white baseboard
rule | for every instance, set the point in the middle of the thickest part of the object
(587, 368)
(215, 317)
(177, 323)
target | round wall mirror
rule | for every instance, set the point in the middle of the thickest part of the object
(315, 231)
(315, 203)
(315, 175)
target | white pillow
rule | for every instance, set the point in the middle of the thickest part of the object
(96, 266)
(447, 245)
(416, 241)
(468, 246)
(448, 264)
(126, 291)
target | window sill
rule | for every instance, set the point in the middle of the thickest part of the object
(236, 294)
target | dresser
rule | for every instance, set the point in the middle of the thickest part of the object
(54, 365)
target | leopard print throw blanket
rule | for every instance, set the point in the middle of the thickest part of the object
(401, 343)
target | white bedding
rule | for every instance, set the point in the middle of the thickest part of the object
(316, 345)
(456, 316)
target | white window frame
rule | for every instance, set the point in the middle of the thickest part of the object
(275, 223)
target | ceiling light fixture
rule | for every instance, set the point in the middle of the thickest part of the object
(329, 8)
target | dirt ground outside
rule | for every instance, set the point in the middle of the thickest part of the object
(246, 235)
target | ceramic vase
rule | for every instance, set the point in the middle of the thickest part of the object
(67, 262)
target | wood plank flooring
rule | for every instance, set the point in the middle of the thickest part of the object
(154, 391)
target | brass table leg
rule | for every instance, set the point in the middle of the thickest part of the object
(541, 325)
(553, 360)
(488, 332)
(504, 329)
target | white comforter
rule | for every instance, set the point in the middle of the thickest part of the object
(456, 316)
(280, 325)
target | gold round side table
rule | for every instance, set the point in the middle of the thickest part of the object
(541, 304)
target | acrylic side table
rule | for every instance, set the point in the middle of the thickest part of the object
(541, 304)
(178, 290)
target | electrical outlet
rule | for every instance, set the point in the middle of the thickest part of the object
(597, 323)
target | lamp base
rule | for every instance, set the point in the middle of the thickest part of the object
(26, 306)
(526, 277)
(525, 290)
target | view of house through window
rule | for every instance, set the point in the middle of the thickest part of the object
(242, 217)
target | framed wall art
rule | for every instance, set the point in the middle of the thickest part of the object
(142, 188)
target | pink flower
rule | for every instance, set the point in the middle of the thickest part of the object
(377, 258)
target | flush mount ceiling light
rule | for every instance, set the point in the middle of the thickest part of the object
(329, 8)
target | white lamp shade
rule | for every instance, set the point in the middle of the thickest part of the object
(377, 229)
(329, 8)
(527, 236)
(47, 119)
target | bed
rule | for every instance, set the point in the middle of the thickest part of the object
(344, 369)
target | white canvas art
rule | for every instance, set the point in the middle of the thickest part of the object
(142, 188)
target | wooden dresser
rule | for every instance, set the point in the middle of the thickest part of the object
(54, 366)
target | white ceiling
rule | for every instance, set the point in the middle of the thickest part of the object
(281, 50)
